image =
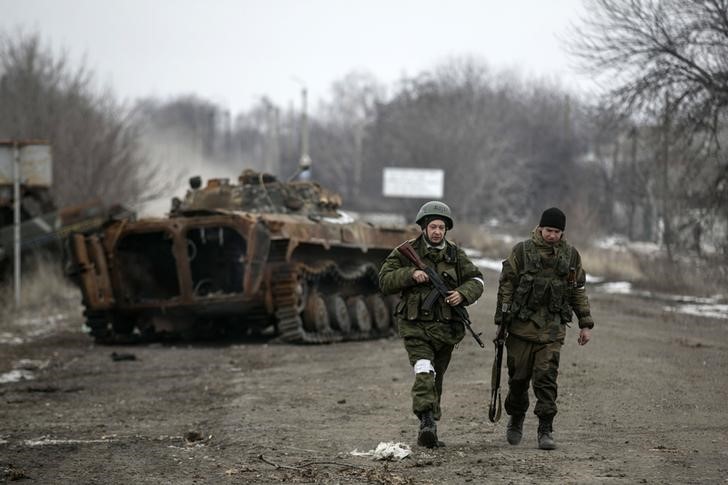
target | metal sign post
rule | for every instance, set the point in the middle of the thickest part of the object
(25, 166)
(16, 222)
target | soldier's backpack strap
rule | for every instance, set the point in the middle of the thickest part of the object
(571, 276)
(454, 257)
(520, 252)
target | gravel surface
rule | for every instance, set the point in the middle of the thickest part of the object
(643, 402)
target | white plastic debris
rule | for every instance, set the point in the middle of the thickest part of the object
(386, 451)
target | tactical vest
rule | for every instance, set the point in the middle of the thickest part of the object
(544, 283)
(447, 266)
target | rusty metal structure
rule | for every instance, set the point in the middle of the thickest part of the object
(257, 256)
(42, 226)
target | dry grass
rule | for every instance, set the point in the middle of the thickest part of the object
(480, 238)
(611, 265)
(700, 277)
(45, 294)
(654, 272)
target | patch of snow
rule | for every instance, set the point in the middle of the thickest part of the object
(16, 375)
(506, 238)
(44, 320)
(44, 441)
(690, 305)
(704, 310)
(615, 242)
(619, 243)
(386, 451)
(31, 327)
(10, 339)
(487, 263)
(644, 247)
(344, 218)
(618, 287)
(471, 253)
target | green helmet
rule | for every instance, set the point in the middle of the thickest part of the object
(434, 210)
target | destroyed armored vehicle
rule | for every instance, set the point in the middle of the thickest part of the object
(256, 257)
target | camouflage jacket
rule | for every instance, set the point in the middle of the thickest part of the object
(540, 286)
(395, 276)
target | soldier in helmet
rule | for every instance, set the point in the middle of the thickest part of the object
(430, 334)
(541, 284)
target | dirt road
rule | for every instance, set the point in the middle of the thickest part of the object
(644, 402)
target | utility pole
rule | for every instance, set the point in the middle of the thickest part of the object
(667, 234)
(16, 222)
(272, 147)
(305, 162)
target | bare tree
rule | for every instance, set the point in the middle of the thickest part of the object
(339, 138)
(507, 145)
(667, 66)
(94, 142)
(660, 54)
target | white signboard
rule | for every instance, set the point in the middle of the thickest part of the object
(420, 183)
(36, 168)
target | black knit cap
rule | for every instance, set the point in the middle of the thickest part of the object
(553, 217)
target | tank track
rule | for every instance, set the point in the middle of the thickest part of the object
(288, 316)
(285, 285)
(104, 331)
(99, 325)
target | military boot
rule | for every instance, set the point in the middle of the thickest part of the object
(545, 440)
(514, 431)
(428, 431)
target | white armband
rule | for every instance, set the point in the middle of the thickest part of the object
(424, 366)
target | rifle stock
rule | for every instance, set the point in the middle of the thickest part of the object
(409, 252)
(406, 250)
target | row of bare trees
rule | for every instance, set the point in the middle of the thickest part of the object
(95, 144)
(666, 67)
(646, 160)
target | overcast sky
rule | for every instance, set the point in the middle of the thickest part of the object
(234, 51)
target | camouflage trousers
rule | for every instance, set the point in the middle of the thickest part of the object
(532, 361)
(427, 388)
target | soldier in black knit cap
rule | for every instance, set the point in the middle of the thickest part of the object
(541, 285)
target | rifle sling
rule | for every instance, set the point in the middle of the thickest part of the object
(431, 299)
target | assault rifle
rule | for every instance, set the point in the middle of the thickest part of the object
(494, 409)
(440, 290)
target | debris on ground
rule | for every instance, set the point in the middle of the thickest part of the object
(195, 437)
(116, 357)
(10, 473)
(386, 451)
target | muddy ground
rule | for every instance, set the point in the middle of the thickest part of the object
(644, 402)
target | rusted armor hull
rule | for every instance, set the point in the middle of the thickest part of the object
(304, 279)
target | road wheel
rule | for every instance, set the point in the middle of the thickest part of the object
(379, 311)
(392, 302)
(315, 314)
(340, 318)
(360, 316)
